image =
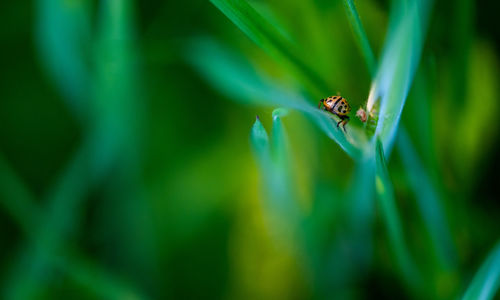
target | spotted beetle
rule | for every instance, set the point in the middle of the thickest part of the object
(337, 106)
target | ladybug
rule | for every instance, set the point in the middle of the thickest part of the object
(337, 106)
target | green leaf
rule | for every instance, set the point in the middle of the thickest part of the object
(428, 202)
(360, 35)
(392, 220)
(233, 76)
(63, 35)
(274, 162)
(270, 39)
(397, 67)
(487, 280)
(260, 142)
(274, 165)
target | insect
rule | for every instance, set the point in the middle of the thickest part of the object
(337, 106)
(361, 114)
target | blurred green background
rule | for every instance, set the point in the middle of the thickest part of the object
(129, 167)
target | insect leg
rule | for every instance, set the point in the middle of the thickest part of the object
(345, 120)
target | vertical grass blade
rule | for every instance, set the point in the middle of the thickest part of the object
(428, 202)
(116, 111)
(276, 174)
(269, 38)
(282, 178)
(398, 64)
(360, 36)
(487, 280)
(392, 220)
(273, 160)
(260, 143)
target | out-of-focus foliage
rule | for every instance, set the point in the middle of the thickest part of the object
(130, 169)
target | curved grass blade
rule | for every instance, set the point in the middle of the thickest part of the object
(238, 80)
(390, 215)
(487, 280)
(62, 35)
(428, 202)
(269, 38)
(360, 35)
(397, 67)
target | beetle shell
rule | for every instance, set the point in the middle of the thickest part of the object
(337, 105)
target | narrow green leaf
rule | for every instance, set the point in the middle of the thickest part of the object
(233, 76)
(398, 64)
(116, 109)
(392, 220)
(63, 34)
(487, 280)
(428, 202)
(282, 180)
(361, 192)
(274, 165)
(360, 35)
(260, 141)
(270, 39)
(273, 159)
(279, 141)
(361, 198)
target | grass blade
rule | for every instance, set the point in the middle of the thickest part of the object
(392, 220)
(62, 35)
(260, 143)
(274, 178)
(233, 76)
(360, 35)
(282, 179)
(398, 64)
(487, 280)
(428, 202)
(273, 159)
(270, 39)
